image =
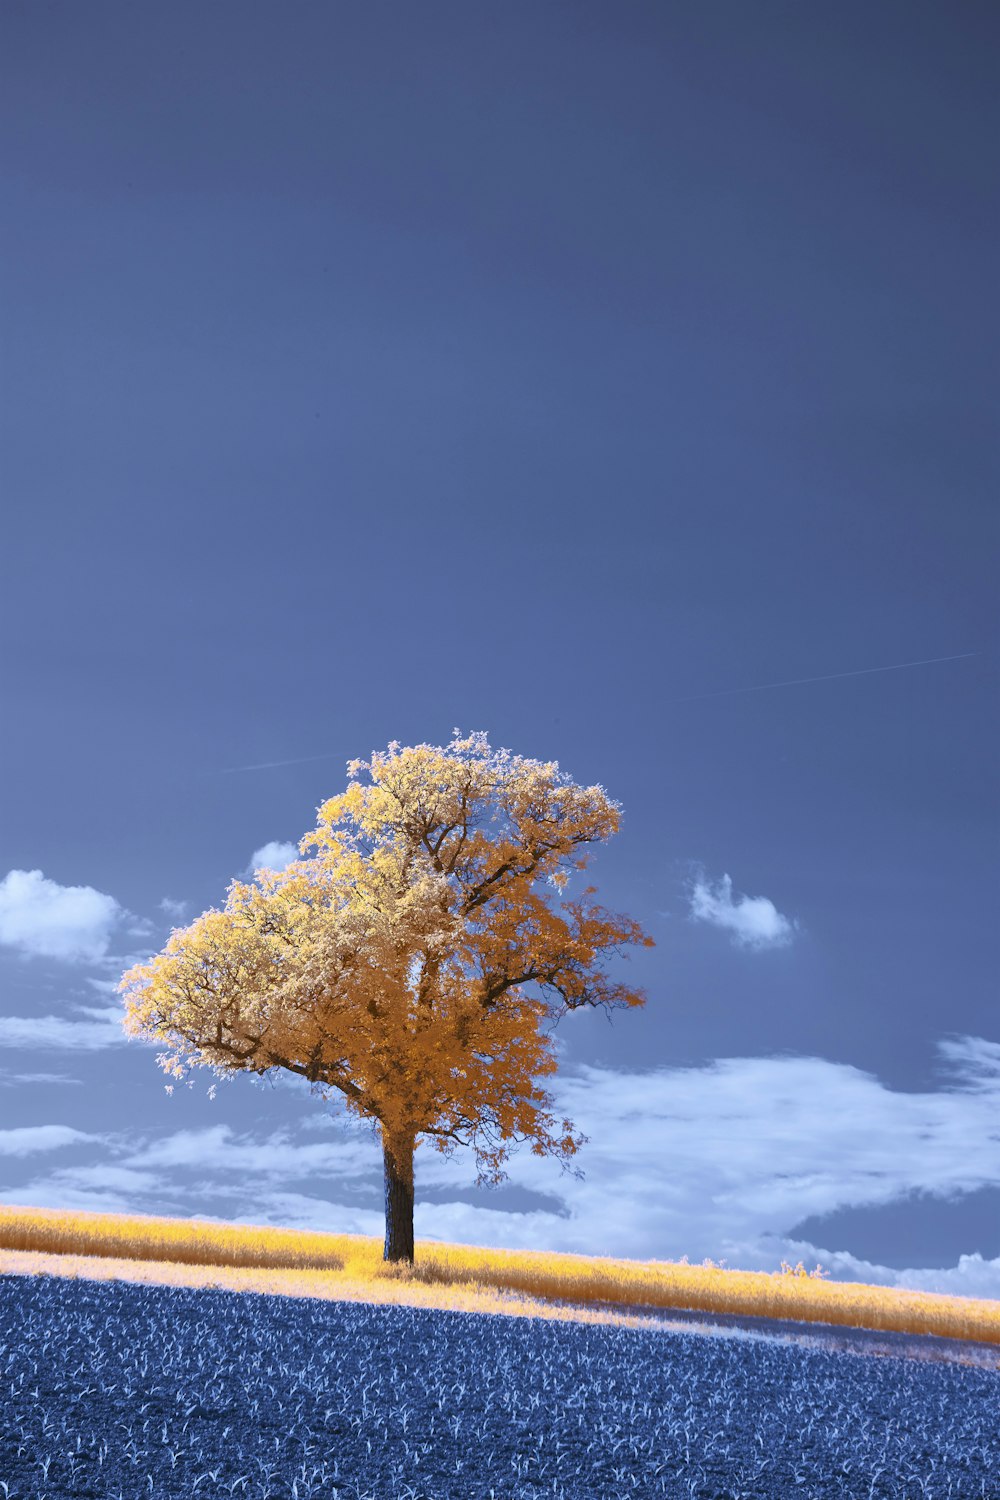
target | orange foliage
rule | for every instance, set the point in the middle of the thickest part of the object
(412, 964)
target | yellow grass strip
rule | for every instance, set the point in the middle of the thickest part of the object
(351, 1266)
(187, 1241)
(711, 1289)
(327, 1286)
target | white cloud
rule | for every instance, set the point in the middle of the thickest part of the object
(15, 1080)
(972, 1277)
(273, 856)
(99, 1188)
(42, 919)
(103, 986)
(173, 909)
(217, 1149)
(109, 1013)
(754, 921)
(25, 1139)
(973, 1062)
(182, 1171)
(109, 1175)
(102, 1029)
(299, 1211)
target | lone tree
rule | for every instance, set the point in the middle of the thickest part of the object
(412, 964)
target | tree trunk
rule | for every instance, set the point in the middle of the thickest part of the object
(397, 1162)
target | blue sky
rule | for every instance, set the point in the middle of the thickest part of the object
(568, 372)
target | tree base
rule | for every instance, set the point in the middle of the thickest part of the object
(397, 1163)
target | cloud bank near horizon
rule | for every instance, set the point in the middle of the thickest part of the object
(720, 1161)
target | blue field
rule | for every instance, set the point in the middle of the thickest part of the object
(114, 1391)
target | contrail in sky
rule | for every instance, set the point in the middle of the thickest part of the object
(268, 765)
(762, 687)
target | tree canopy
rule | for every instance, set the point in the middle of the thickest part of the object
(413, 963)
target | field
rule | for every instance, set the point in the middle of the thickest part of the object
(113, 1391)
(311, 1372)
